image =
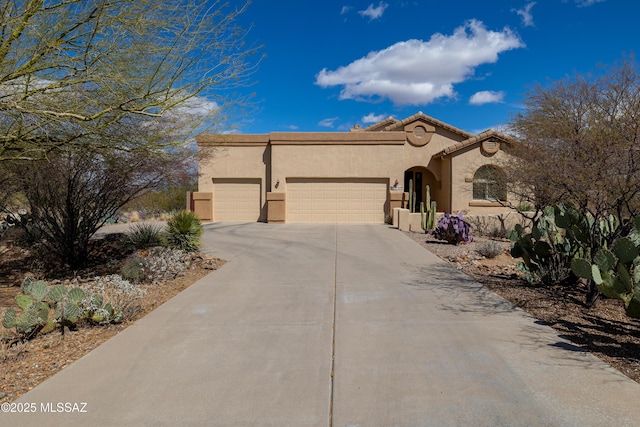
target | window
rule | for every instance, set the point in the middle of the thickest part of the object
(489, 184)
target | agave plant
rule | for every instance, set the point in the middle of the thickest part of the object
(146, 235)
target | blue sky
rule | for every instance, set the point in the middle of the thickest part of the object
(332, 64)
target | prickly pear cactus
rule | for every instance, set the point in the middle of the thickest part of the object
(453, 229)
(615, 272)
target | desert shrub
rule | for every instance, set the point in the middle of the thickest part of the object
(184, 231)
(146, 235)
(524, 207)
(162, 264)
(132, 268)
(452, 229)
(490, 249)
(114, 291)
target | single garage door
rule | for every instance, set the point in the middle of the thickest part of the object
(336, 200)
(236, 199)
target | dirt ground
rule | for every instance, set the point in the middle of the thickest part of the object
(25, 365)
(604, 329)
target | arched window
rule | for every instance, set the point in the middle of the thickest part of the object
(489, 184)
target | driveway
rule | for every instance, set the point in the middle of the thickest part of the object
(334, 325)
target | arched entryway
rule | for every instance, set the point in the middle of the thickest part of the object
(422, 177)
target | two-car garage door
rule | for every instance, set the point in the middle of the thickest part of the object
(336, 200)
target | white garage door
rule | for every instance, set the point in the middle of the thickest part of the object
(336, 200)
(236, 199)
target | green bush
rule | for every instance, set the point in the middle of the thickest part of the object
(184, 231)
(146, 235)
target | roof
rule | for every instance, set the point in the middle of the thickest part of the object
(381, 125)
(482, 136)
(390, 124)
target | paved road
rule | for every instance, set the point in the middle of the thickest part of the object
(335, 325)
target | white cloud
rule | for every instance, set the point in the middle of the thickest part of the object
(372, 118)
(345, 10)
(327, 123)
(525, 14)
(486, 97)
(372, 12)
(415, 72)
(587, 3)
(197, 107)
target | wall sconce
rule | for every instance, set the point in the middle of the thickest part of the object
(277, 182)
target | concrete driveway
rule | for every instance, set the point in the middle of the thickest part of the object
(334, 325)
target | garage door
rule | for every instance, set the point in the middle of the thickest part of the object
(236, 199)
(336, 200)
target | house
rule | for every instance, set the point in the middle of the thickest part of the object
(356, 176)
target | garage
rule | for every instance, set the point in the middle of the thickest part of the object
(354, 200)
(236, 199)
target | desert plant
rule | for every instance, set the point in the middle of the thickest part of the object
(452, 229)
(162, 264)
(146, 235)
(493, 226)
(44, 308)
(546, 253)
(490, 249)
(184, 231)
(524, 207)
(428, 212)
(616, 272)
(34, 315)
(110, 292)
(559, 235)
(132, 268)
(412, 197)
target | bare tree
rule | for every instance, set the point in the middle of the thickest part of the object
(70, 194)
(579, 144)
(70, 69)
(98, 97)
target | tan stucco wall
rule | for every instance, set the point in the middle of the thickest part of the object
(273, 158)
(234, 156)
(334, 156)
(463, 166)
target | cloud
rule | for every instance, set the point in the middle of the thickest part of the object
(372, 12)
(372, 118)
(486, 97)
(345, 10)
(525, 14)
(197, 107)
(587, 3)
(328, 123)
(415, 72)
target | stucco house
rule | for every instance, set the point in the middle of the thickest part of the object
(355, 176)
